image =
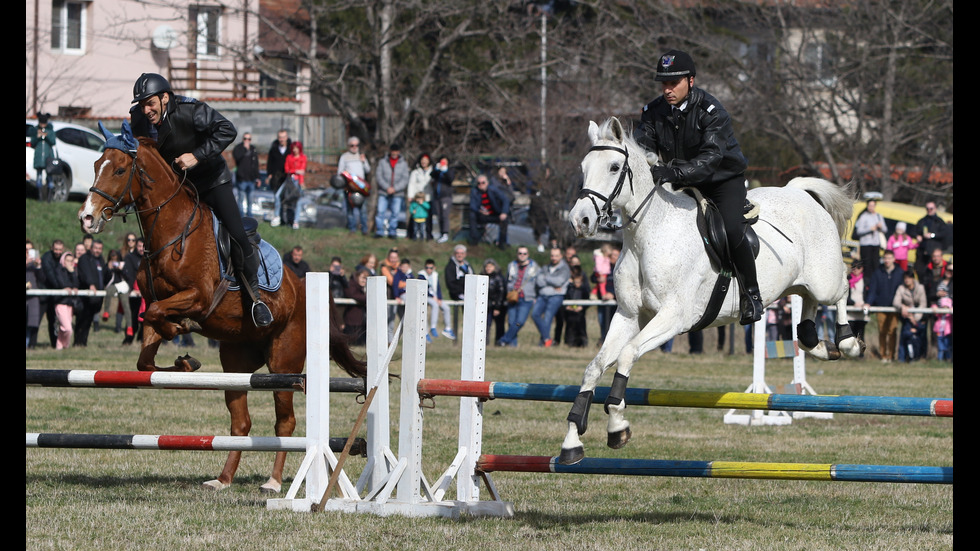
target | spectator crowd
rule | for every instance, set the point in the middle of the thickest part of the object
(420, 192)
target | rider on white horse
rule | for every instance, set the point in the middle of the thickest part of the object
(692, 133)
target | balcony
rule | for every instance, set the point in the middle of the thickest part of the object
(213, 78)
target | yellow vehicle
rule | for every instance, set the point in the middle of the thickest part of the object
(893, 214)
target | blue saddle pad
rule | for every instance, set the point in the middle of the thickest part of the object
(270, 266)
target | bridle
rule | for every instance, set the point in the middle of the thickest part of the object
(107, 213)
(605, 212)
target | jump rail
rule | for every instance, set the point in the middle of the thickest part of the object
(719, 469)
(884, 405)
(186, 443)
(175, 380)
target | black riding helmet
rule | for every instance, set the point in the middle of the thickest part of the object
(149, 85)
(674, 65)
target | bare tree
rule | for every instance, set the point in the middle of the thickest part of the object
(865, 88)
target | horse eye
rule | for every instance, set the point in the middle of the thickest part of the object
(120, 171)
(614, 168)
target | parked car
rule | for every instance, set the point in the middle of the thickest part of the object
(78, 147)
(519, 230)
(322, 208)
(317, 208)
(893, 213)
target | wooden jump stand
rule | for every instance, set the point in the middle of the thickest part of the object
(395, 484)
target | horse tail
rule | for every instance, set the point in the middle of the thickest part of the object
(836, 200)
(340, 350)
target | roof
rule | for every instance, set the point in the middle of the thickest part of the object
(912, 175)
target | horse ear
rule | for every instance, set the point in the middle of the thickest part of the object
(127, 136)
(617, 128)
(105, 131)
(593, 131)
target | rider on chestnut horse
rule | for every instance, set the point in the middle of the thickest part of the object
(191, 135)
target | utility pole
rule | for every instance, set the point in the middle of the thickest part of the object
(544, 85)
(34, 105)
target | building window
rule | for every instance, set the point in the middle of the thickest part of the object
(206, 23)
(818, 59)
(270, 86)
(67, 22)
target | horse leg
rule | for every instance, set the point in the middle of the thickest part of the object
(621, 329)
(654, 333)
(182, 306)
(285, 424)
(806, 333)
(241, 424)
(148, 353)
(846, 341)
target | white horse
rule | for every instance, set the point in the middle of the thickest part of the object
(664, 277)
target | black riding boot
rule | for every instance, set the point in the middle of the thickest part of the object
(750, 303)
(247, 272)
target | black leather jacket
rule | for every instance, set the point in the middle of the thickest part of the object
(191, 126)
(698, 140)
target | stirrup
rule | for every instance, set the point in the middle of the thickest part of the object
(261, 315)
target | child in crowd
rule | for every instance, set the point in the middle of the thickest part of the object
(418, 211)
(575, 329)
(901, 243)
(603, 268)
(436, 305)
(943, 329)
(399, 284)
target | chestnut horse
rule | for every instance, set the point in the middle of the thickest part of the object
(180, 281)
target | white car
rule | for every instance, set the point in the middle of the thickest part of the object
(78, 147)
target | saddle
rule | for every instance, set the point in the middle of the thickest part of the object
(711, 226)
(270, 263)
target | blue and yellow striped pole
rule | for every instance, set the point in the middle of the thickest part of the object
(841, 472)
(883, 405)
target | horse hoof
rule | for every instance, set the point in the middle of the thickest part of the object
(616, 440)
(571, 456)
(833, 353)
(215, 485)
(187, 363)
(271, 487)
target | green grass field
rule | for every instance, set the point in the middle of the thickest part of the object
(99, 499)
(116, 499)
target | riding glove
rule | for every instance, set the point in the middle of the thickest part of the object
(664, 173)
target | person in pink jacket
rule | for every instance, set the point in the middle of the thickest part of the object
(901, 243)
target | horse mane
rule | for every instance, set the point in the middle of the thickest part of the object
(150, 145)
(608, 131)
(153, 154)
